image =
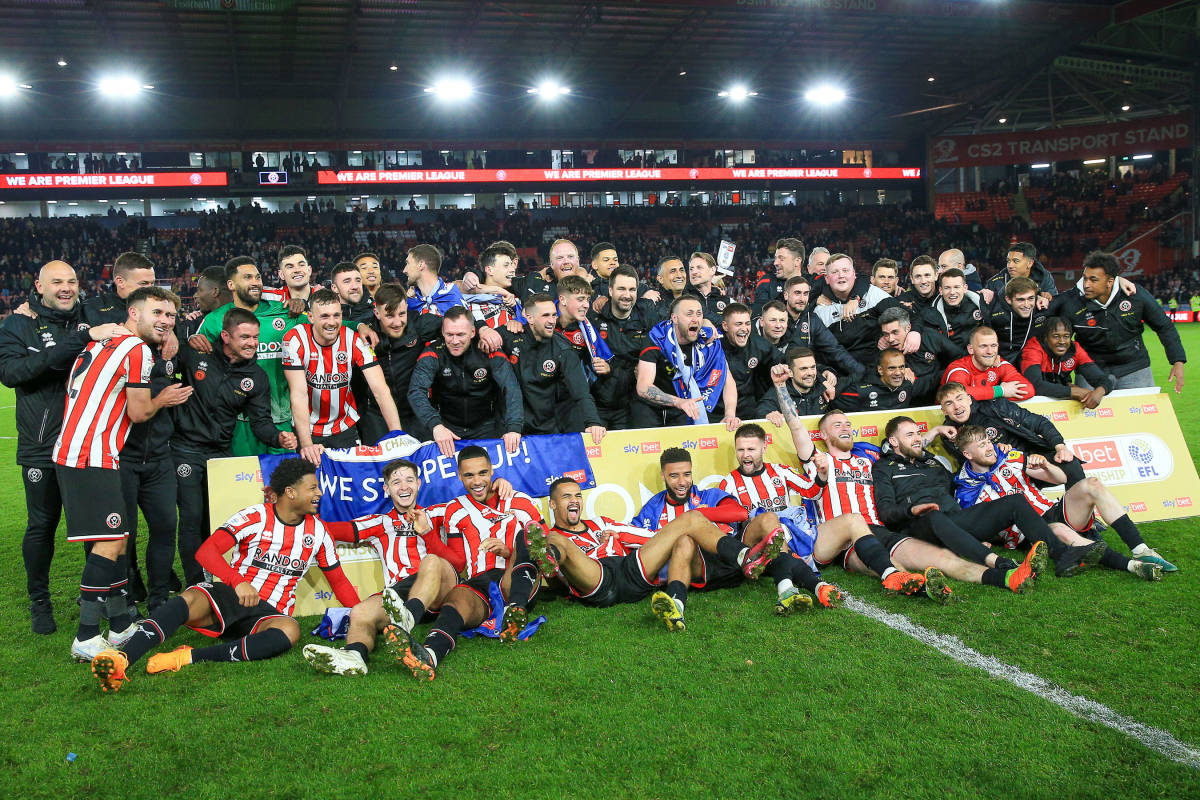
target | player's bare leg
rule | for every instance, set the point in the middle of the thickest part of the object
(463, 608)
(1090, 495)
(915, 555)
(684, 563)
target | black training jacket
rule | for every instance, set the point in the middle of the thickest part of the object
(1111, 332)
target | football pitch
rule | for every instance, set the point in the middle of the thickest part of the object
(1086, 687)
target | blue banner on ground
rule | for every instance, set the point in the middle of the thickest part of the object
(352, 479)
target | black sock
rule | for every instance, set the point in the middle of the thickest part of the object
(361, 649)
(678, 590)
(872, 553)
(803, 574)
(994, 576)
(415, 607)
(165, 620)
(729, 550)
(255, 647)
(780, 569)
(1004, 564)
(524, 574)
(1113, 560)
(445, 631)
(117, 601)
(1128, 532)
(94, 585)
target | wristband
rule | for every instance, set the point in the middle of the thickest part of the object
(998, 392)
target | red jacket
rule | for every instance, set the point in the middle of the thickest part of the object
(982, 384)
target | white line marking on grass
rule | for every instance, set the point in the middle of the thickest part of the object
(1154, 738)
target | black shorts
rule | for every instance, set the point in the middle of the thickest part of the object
(716, 574)
(93, 502)
(481, 583)
(347, 438)
(622, 581)
(403, 586)
(234, 620)
(1058, 513)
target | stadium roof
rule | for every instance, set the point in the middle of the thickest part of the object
(322, 68)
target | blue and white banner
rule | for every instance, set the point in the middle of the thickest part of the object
(352, 479)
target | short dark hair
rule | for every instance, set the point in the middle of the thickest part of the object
(895, 314)
(488, 257)
(1019, 285)
(456, 312)
(774, 305)
(238, 316)
(736, 308)
(947, 389)
(885, 263)
(428, 253)
(366, 254)
(399, 464)
(797, 352)
(574, 284)
(1050, 325)
(145, 293)
(472, 451)
(894, 424)
(600, 247)
(674, 455)
(506, 247)
(289, 472)
(1098, 259)
(324, 296)
(128, 261)
(792, 244)
(624, 271)
(289, 250)
(342, 267)
(796, 280)
(213, 275)
(751, 429)
(560, 482)
(1024, 248)
(664, 260)
(389, 296)
(923, 260)
(237, 262)
(540, 297)
(953, 272)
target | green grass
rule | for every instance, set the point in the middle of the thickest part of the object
(606, 704)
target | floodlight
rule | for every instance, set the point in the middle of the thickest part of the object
(122, 86)
(737, 93)
(451, 89)
(825, 95)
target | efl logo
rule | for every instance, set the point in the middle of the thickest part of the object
(1059, 416)
(1150, 408)
(708, 443)
(1099, 455)
(651, 447)
(593, 451)
(869, 430)
(1183, 502)
(1104, 412)
(1137, 506)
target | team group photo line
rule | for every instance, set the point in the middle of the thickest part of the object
(122, 400)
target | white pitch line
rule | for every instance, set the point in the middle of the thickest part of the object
(1153, 738)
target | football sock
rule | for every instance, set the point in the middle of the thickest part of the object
(731, 550)
(167, 619)
(873, 554)
(803, 574)
(524, 574)
(677, 590)
(415, 607)
(1113, 560)
(117, 601)
(445, 630)
(1128, 532)
(994, 576)
(361, 649)
(780, 570)
(1005, 564)
(255, 647)
(94, 585)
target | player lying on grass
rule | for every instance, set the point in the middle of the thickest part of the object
(418, 571)
(849, 530)
(763, 488)
(604, 562)
(273, 545)
(487, 531)
(697, 567)
(988, 473)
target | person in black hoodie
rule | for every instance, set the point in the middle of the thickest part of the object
(402, 339)
(36, 355)
(623, 323)
(891, 390)
(1015, 317)
(1021, 262)
(958, 309)
(130, 271)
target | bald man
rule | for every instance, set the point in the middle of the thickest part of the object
(954, 259)
(36, 354)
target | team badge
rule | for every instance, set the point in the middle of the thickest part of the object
(247, 384)
(342, 358)
(777, 481)
(199, 375)
(278, 323)
(804, 327)
(480, 374)
(308, 541)
(83, 326)
(184, 470)
(902, 396)
(752, 363)
(169, 366)
(721, 305)
(33, 474)
(977, 315)
(1069, 364)
(873, 395)
(1126, 305)
(992, 433)
(548, 366)
(929, 356)
(991, 375)
(446, 372)
(113, 521)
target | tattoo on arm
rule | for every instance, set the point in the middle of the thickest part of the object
(655, 396)
(787, 406)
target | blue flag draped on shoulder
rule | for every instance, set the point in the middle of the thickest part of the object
(443, 297)
(352, 479)
(705, 378)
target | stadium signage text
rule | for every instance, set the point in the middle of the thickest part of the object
(392, 176)
(113, 180)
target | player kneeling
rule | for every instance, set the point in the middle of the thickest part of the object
(418, 569)
(273, 545)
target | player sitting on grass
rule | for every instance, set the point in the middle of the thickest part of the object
(273, 545)
(418, 571)
(988, 473)
(604, 562)
(763, 489)
(488, 532)
(732, 561)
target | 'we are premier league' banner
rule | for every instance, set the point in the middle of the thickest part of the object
(352, 479)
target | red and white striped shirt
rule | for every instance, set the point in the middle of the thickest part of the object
(95, 423)
(768, 489)
(628, 538)
(273, 556)
(850, 490)
(327, 370)
(1010, 478)
(493, 315)
(399, 546)
(468, 522)
(279, 294)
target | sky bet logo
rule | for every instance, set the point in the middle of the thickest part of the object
(593, 451)
(651, 447)
(1137, 507)
(869, 430)
(708, 443)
